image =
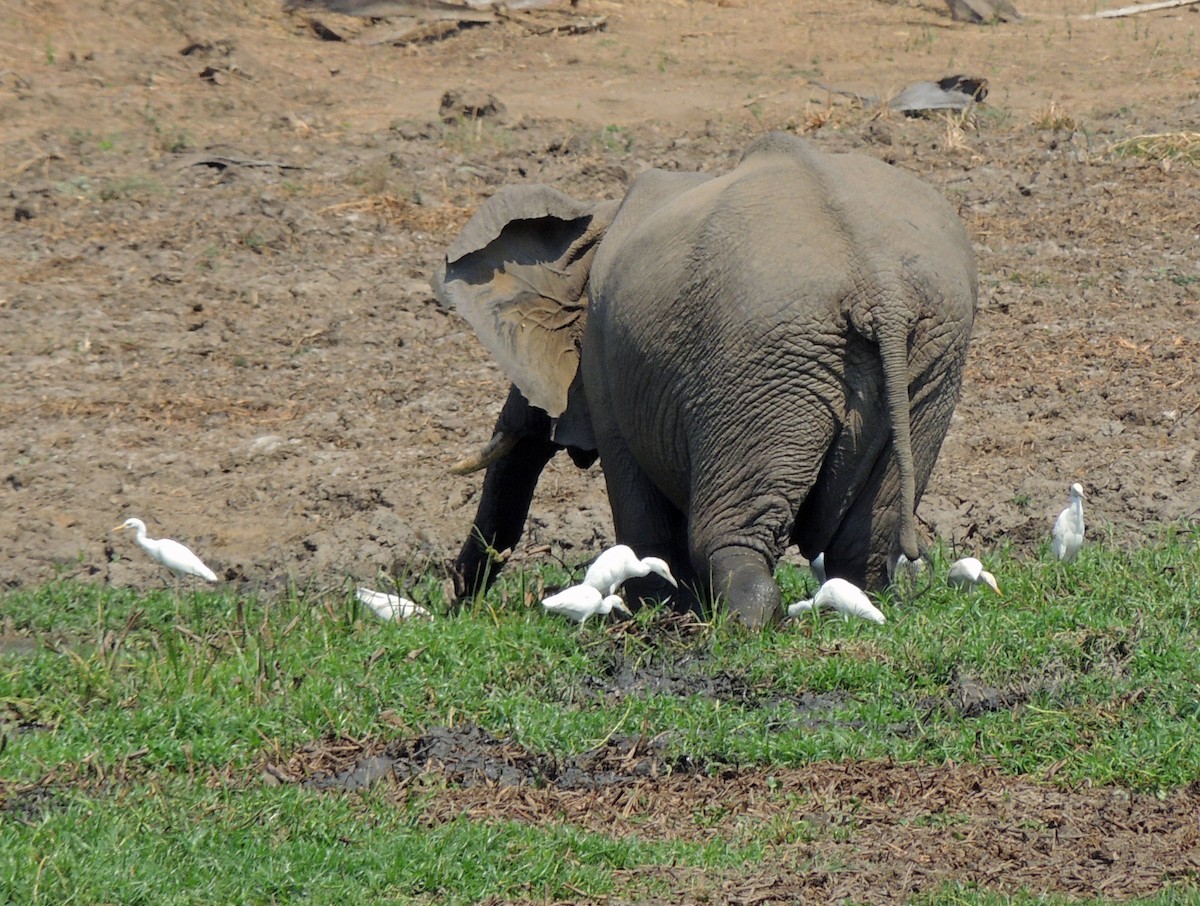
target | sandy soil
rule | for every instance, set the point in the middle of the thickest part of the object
(216, 232)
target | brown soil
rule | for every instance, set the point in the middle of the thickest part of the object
(218, 231)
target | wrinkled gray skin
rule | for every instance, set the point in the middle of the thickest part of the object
(765, 357)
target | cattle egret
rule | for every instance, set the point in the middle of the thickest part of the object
(817, 565)
(1068, 528)
(582, 601)
(171, 554)
(391, 608)
(968, 571)
(842, 596)
(618, 564)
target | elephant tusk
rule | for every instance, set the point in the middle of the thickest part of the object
(499, 446)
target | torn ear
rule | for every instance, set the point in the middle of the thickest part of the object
(518, 273)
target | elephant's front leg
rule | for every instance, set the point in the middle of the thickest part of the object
(500, 520)
(522, 445)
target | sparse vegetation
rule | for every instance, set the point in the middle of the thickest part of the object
(1054, 119)
(129, 187)
(615, 138)
(470, 135)
(1161, 146)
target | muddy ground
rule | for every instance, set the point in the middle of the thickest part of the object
(860, 832)
(216, 232)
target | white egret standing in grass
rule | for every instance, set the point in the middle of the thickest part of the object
(391, 608)
(969, 572)
(171, 554)
(844, 597)
(618, 564)
(1067, 538)
(582, 601)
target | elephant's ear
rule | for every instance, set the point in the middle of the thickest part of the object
(518, 273)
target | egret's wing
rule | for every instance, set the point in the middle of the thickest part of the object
(1065, 538)
(572, 598)
(179, 558)
(390, 607)
(608, 570)
(963, 572)
(384, 606)
(863, 609)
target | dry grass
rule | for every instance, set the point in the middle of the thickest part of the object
(884, 823)
(1054, 118)
(1161, 146)
(404, 213)
(957, 126)
(165, 411)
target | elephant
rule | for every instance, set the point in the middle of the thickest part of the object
(765, 357)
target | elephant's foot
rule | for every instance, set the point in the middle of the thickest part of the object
(656, 590)
(744, 580)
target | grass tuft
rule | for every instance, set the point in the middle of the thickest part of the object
(1161, 146)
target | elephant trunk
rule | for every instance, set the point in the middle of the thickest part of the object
(892, 335)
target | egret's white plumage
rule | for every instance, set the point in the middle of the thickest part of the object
(582, 601)
(1067, 538)
(171, 554)
(618, 564)
(968, 572)
(391, 608)
(844, 597)
(817, 565)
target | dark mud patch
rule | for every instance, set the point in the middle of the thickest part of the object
(467, 756)
(970, 696)
(870, 831)
(686, 676)
(28, 803)
(669, 655)
(659, 673)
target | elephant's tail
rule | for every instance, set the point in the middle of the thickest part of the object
(892, 336)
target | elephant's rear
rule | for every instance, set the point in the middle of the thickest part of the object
(729, 330)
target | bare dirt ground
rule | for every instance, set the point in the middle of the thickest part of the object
(218, 228)
(216, 232)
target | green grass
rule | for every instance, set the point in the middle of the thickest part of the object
(169, 707)
(174, 843)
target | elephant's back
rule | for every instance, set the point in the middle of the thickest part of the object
(790, 220)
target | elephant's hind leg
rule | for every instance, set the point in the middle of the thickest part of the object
(744, 579)
(739, 524)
